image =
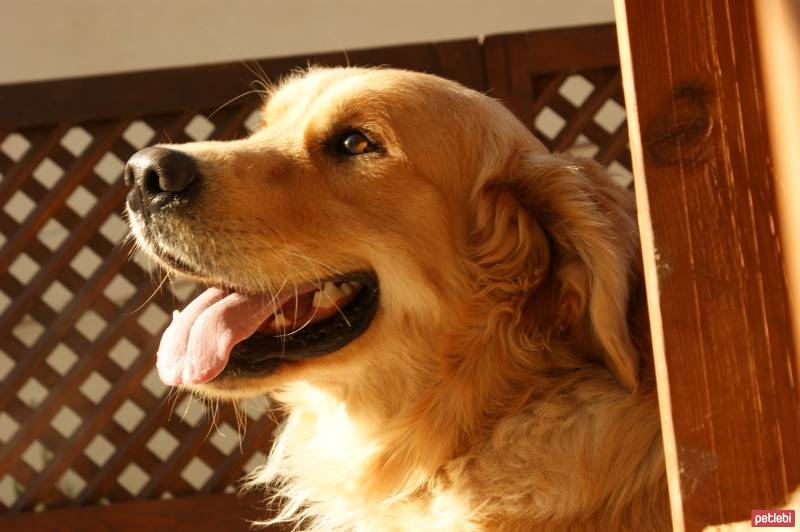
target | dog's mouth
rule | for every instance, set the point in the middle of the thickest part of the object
(311, 324)
(224, 333)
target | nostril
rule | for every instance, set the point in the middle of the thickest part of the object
(151, 182)
(176, 171)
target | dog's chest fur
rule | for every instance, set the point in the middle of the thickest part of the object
(564, 462)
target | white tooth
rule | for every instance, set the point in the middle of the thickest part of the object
(328, 296)
(317, 302)
(175, 314)
(346, 288)
(333, 291)
(280, 320)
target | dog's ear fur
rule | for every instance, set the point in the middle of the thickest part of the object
(573, 248)
(554, 250)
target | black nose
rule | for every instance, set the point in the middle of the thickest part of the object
(158, 176)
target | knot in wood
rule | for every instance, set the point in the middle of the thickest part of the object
(680, 131)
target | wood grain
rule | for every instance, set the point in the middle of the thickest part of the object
(717, 297)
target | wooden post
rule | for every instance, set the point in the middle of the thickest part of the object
(778, 30)
(713, 258)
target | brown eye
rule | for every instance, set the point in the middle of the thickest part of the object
(355, 143)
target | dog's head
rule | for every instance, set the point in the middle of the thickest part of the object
(384, 227)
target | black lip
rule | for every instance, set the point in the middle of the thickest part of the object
(261, 354)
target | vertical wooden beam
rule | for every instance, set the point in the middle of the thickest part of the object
(779, 39)
(717, 297)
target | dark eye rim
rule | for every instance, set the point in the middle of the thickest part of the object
(339, 139)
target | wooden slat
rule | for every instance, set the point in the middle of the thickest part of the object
(566, 110)
(616, 145)
(549, 89)
(202, 513)
(717, 299)
(48, 138)
(586, 112)
(576, 48)
(511, 60)
(177, 89)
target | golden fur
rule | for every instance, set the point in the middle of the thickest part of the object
(506, 382)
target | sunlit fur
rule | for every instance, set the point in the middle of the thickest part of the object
(506, 382)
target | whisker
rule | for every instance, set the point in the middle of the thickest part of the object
(260, 74)
(172, 396)
(157, 289)
(186, 410)
(235, 98)
(212, 414)
(339, 310)
(235, 408)
(283, 325)
(295, 331)
(296, 302)
(241, 423)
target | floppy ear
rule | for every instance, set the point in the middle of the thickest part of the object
(554, 250)
(573, 248)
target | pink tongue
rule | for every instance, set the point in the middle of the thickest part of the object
(196, 346)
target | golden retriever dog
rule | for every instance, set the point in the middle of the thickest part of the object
(451, 317)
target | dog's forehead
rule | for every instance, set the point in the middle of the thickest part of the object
(332, 89)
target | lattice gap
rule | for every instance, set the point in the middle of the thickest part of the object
(84, 418)
(15, 145)
(583, 113)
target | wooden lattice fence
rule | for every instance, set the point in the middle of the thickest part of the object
(83, 417)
